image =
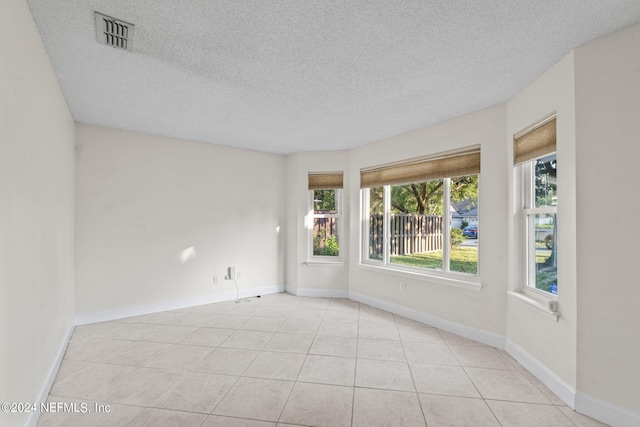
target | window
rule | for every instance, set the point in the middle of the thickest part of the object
(414, 214)
(325, 194)
(540, 210)
(536, 157)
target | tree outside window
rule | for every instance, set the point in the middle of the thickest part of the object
(407, 225)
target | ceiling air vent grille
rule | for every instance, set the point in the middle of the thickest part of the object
(113, 32)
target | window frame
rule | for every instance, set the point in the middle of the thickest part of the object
(311, 257)
(528, 233)
(385, 263)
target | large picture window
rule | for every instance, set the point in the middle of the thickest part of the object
(535, 156)
(419, 215)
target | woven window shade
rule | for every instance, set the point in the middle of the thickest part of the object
(325, 181)
(537, 142)
(446, 166)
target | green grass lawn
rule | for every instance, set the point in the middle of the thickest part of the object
(545, 278)
(545, 273)
(462, 260)
(465, 260)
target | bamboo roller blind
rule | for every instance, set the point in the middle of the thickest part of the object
(461, 163)
(325, 180)
(536, 142)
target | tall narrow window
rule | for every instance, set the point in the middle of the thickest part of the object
(535, 156)
(410, 219)
(325, 194)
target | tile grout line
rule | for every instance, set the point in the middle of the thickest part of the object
(355, 368)
(464, 369)
(417, 394)
(297, 376)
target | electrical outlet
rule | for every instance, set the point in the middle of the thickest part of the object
(215, 279)
(403, 286)
(237, 274)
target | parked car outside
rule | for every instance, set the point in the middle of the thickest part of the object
(470, 231)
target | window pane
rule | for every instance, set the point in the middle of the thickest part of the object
(546, 191)
(464, 225)
(325, 236)
(416, 224)
(324, 201)
(546, 252)
(376, 226)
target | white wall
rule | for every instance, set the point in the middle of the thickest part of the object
(142, 200)
(530, 328)
(36, 212)
(608, 149)
(313, 279)
(483, 310)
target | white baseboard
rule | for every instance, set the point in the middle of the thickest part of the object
(32, 421)
(318, 293)
(606, 412)
(547, 377)
(266, 290)
(481, 336)
(138, 310)
(600, 410)
(291, 290)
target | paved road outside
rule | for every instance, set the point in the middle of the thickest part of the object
(466, 243)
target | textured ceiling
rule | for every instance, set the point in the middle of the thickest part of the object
(286, 76)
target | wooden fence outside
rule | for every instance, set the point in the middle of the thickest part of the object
(409, 233)
(324, 228)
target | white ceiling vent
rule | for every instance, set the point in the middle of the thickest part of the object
(113, 32)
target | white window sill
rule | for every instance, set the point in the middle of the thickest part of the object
(539, 306)
(472, 283)
(323, 263)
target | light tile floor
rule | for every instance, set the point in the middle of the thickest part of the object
(286, 361)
